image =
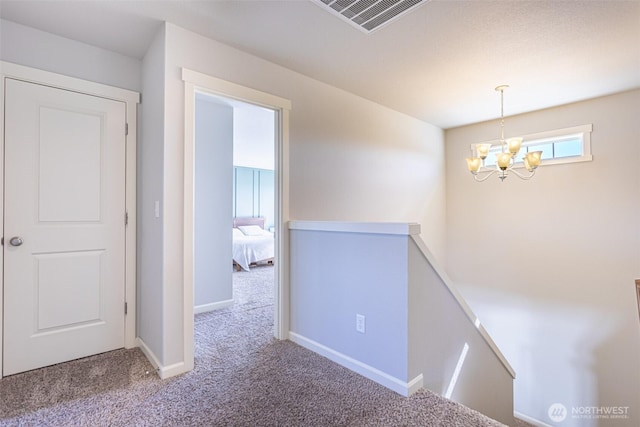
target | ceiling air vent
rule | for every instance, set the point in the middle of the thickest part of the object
(369, 15)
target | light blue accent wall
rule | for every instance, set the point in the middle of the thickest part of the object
(332, 280)
(243, 199)
(266, 193)
(254, 194)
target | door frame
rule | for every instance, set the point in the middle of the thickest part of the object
(131, 99)
(198, 82)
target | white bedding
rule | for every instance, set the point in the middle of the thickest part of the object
(250, 249)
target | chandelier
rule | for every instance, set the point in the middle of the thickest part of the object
(505, 159)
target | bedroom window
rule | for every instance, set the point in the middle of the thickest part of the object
(560, 146)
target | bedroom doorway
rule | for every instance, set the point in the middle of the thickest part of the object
(223, 98)
(234, 200)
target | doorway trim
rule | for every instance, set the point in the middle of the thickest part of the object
(131, 99)
(198, 82)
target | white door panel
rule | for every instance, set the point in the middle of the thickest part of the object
(61, 196)
(65, 198)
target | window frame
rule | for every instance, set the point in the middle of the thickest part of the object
(583, 132)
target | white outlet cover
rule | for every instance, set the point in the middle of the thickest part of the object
(360, 323)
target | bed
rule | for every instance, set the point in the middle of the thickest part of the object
(252, 244)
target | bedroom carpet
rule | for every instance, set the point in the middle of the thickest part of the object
(242, 377)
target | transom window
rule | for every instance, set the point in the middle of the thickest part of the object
(559, 146)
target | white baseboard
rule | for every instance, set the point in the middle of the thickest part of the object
(150, 356)
(530, 420)
(163, 372)
(382, 378)
(172, 370)
(415, 384)
(212, 306)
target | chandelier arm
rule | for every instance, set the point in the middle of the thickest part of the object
(484, 178)
(523, 176)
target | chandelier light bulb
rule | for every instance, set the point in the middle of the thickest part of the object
(474, 163)
(534, 158)
(483, 150)
(514, 145)
(503, 160)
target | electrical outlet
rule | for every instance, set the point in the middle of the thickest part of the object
(360, 323)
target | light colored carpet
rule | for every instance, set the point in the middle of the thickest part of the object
(242, 377)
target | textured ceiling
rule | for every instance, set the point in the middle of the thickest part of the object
(439, 63)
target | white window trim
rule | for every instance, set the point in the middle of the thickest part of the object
(583, 131)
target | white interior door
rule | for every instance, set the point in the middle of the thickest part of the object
(64, 242)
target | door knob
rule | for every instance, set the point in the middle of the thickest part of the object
(16, 241)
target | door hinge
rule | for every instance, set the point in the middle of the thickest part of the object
(126, 218)
(126, 129)
(125, 308)
(2, 241)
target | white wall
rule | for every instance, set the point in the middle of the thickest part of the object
(349, 158)
(353, 160)
(213, 185)
(549, 264)
(150, 187)
(254, 137)
(34, 48)
(447, 345)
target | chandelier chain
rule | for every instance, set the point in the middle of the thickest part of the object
(502, 118)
